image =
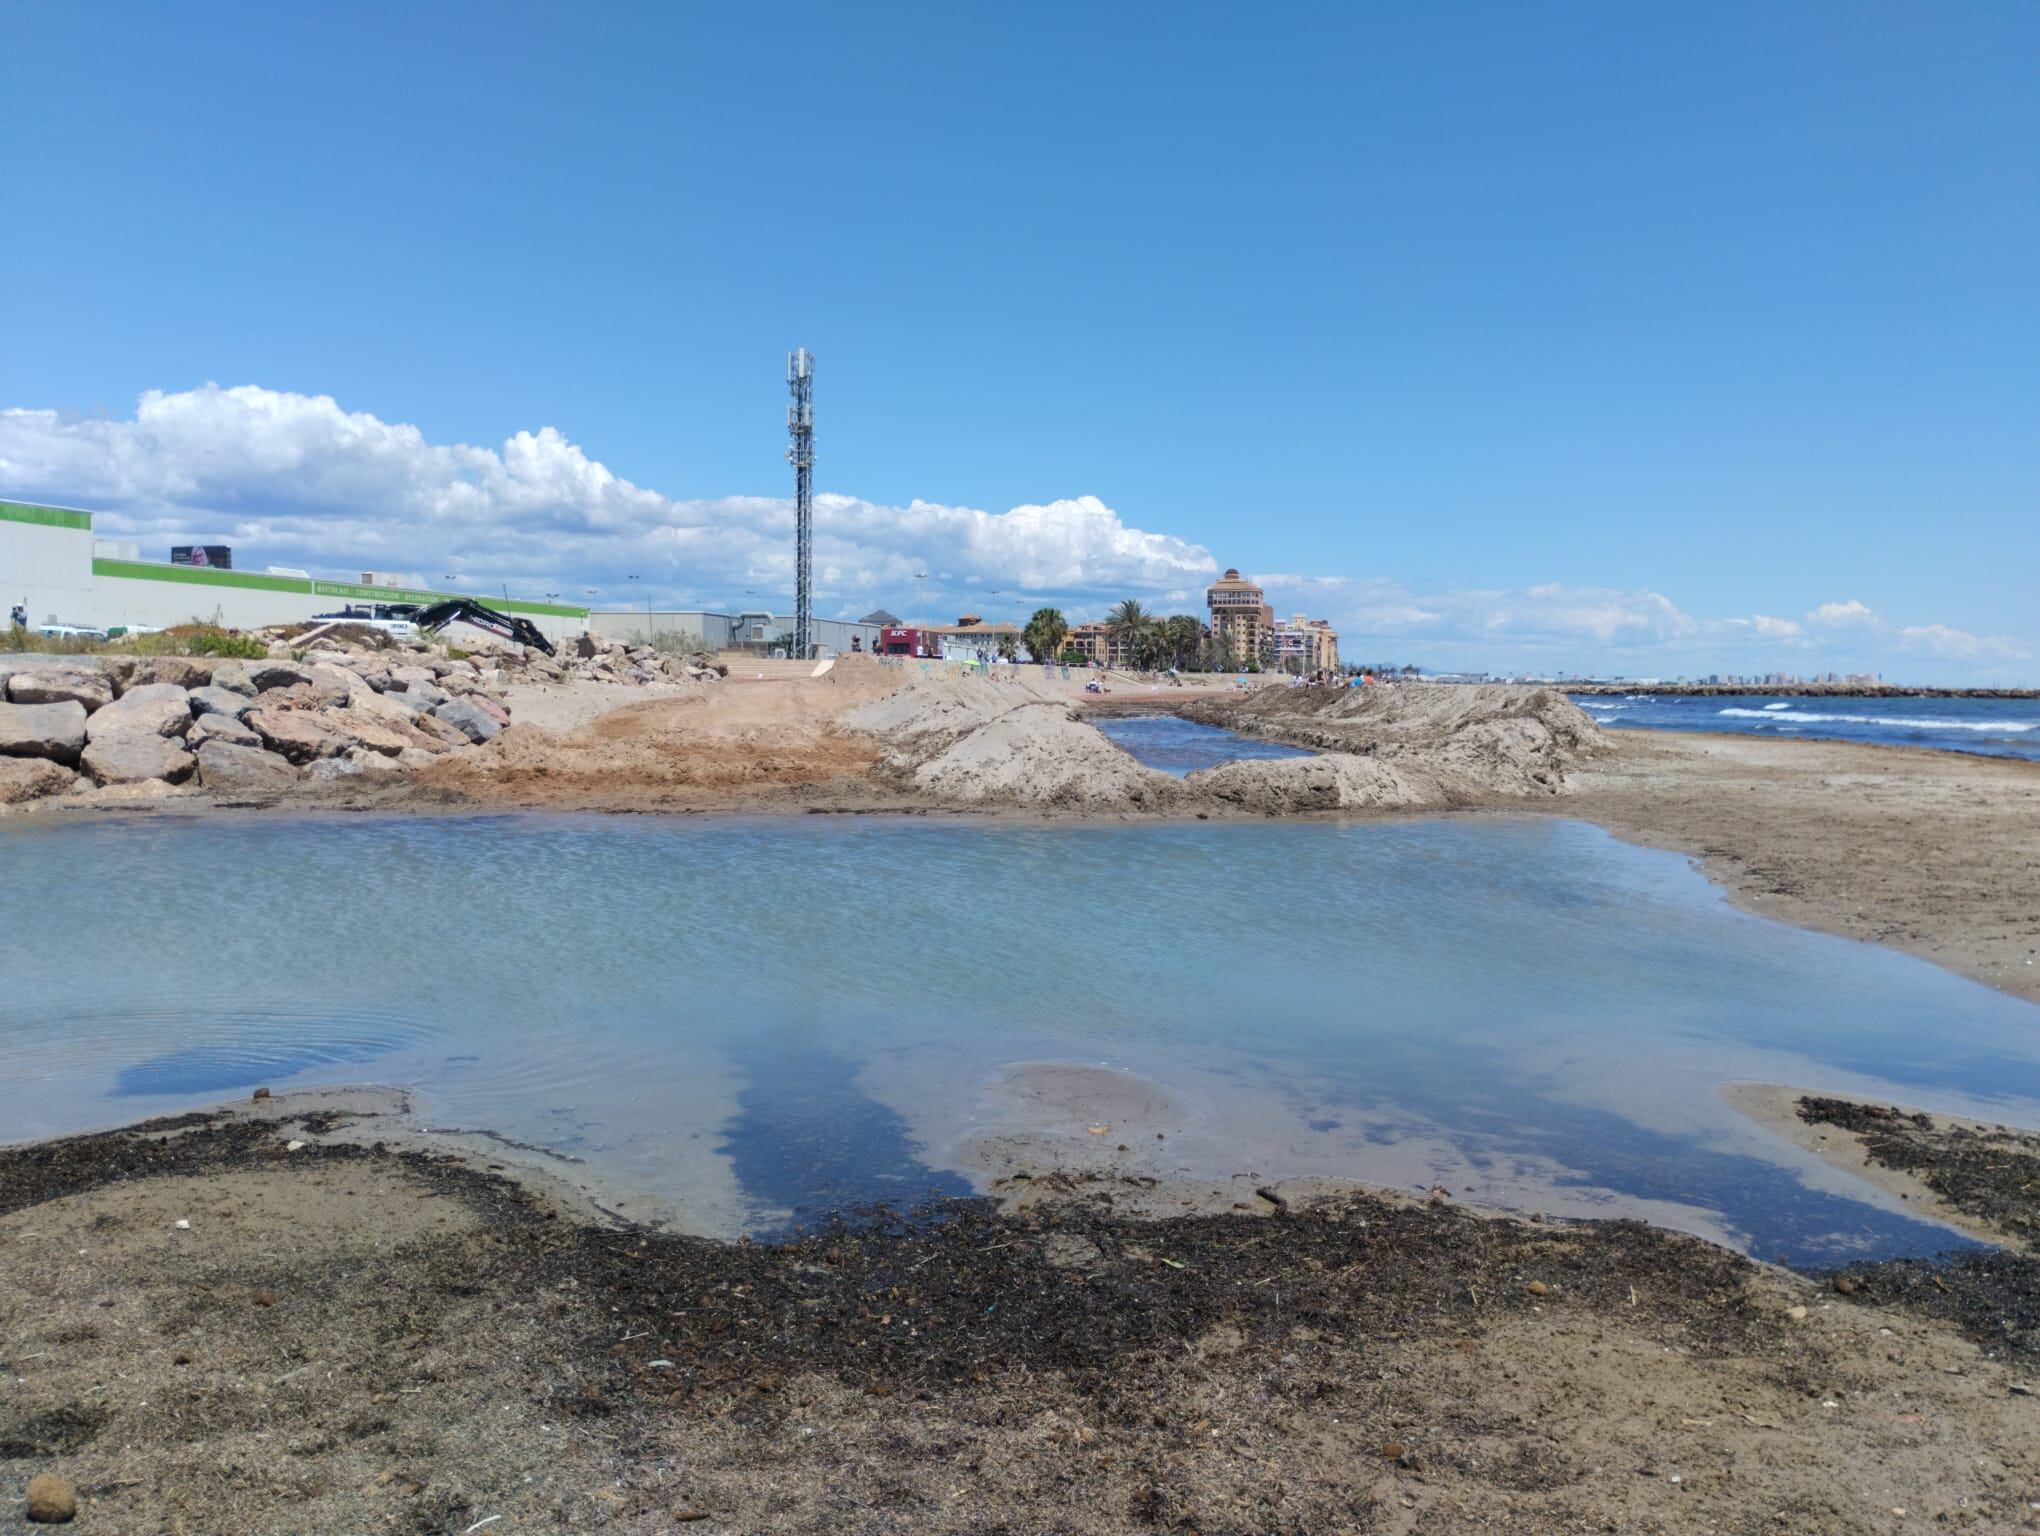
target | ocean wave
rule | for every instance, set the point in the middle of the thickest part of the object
(1804, 717)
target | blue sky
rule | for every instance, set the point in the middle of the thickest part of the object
(1644, 338)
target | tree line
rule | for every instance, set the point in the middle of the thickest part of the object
(1151, 641)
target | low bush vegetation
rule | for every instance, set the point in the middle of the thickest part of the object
(195, 639)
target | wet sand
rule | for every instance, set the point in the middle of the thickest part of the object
(354, 1336)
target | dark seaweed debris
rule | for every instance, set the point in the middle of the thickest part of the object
(1993, 1176)
(905, 1303)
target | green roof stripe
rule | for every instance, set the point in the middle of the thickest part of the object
(254, 581)
(45, 517)
(200, 576)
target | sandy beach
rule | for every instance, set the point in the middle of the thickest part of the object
(272, 1320)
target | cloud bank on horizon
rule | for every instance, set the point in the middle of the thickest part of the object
(295, 479)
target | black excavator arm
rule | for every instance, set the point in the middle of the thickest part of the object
(465, 610)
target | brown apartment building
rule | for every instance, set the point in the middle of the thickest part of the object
(1240, 613)
(1099, 645)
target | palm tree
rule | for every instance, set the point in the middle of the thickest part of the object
(1045, 633)
(1125, 625)
(1149, 650)
(1185, 635)
(1008, 645)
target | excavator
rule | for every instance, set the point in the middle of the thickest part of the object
(465, 610)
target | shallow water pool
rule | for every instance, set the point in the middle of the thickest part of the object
(752, 1021)
(1177, 746)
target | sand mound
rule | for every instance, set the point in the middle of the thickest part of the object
(974, 742)
(1039, 755)
(1447, 744)
(948, 706)
(1330, 783)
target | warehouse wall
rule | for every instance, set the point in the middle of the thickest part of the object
(46, 561)
(714, 631)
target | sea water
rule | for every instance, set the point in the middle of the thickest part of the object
(1992, 727)
(760, 1020)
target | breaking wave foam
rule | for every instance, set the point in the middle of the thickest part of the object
(1805, 717)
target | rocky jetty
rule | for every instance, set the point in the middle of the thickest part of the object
(114, 729)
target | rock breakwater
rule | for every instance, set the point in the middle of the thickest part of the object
(96, 730)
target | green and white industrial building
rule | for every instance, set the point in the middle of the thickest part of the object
(53, 567)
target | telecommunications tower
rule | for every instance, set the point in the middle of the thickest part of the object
(800, 452)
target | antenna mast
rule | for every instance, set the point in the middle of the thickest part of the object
(800, 452)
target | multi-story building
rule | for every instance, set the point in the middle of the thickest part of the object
(1100, 646)
(1306, 645)
(1240, 614)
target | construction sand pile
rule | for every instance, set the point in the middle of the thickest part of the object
(1417, 745)
(972, 742)
(975, 742)
(1041, 755)
(1332, 782)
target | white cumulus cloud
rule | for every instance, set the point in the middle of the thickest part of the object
(298, 480)
(295, 478)
(1841, 614)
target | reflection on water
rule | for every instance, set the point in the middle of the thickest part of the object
(757, 1018)
(805, 1138)
(1180, 746)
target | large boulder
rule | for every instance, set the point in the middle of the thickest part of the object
(404, 677)
(490, 707)
(215, 700)
(128, 757)
(477, 724)
(144, 709)
(277, 674)
(174, 671)
(48, 685)
(293, 733)
(444, 731)
(235, 676)
(31, 778)
(401, 701)
(227, 768)
(220, 728)
(328, 769)
(361, 731)
(53, 731)
(336, 685)
(392, 709)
